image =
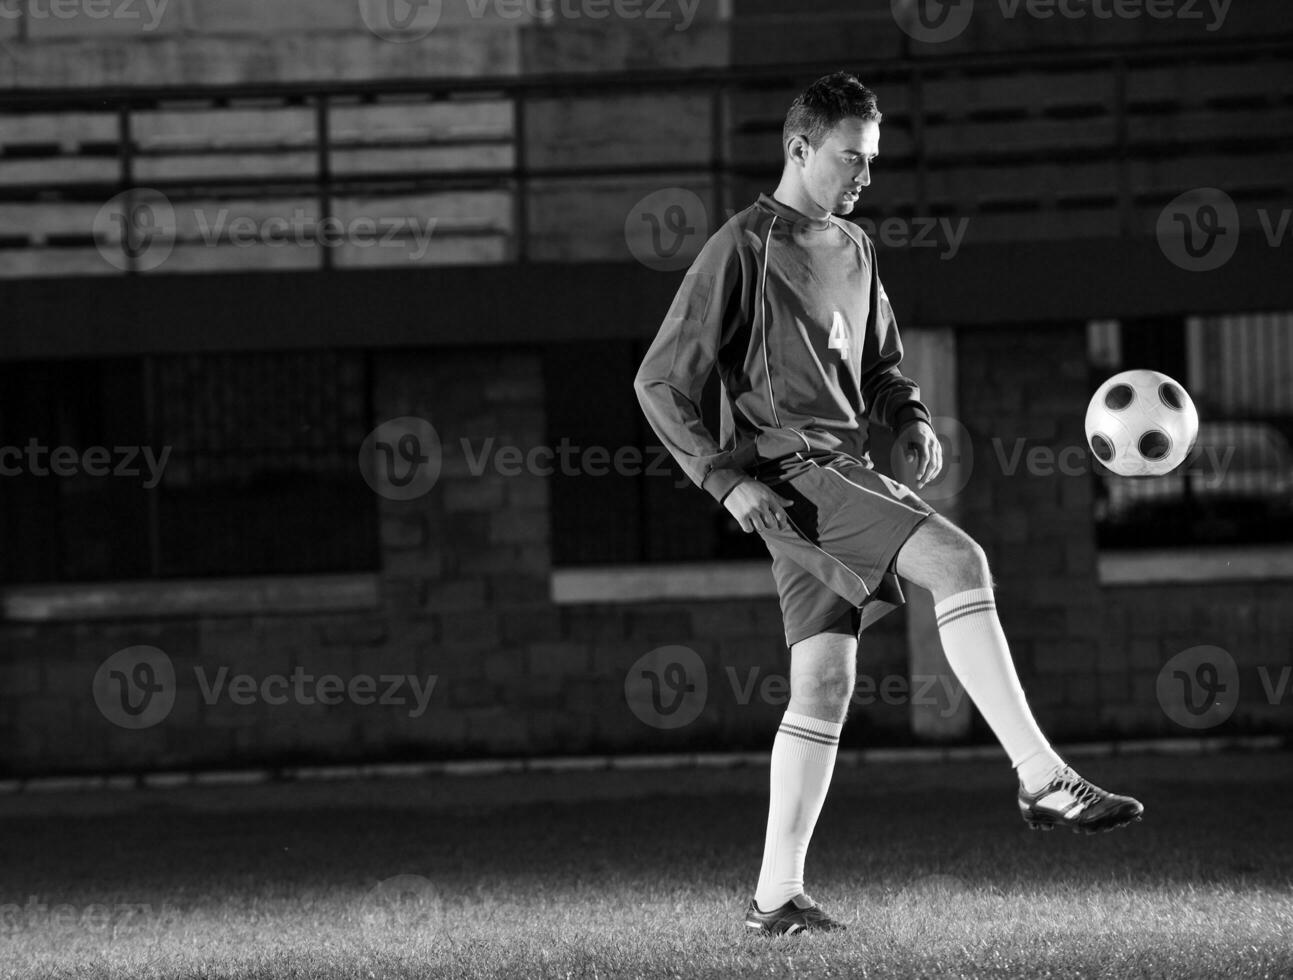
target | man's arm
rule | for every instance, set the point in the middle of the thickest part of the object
(891, 398)
(673, 373)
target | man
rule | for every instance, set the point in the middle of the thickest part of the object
(786, 302)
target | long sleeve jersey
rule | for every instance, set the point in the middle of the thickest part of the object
(793, 314)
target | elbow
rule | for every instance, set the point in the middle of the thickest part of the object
(642, 385)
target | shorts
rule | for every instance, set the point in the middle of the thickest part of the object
(847, 524)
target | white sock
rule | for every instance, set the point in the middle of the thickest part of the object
(977, 651)
(803, 758)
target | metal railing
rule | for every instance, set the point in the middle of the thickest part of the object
(1115, 105)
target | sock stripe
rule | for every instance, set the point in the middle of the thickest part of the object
(969, 609)
(972, 604)
(808, 735)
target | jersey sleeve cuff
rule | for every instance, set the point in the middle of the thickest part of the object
(912, 411)
(720, 482)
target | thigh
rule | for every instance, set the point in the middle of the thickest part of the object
(934, 548)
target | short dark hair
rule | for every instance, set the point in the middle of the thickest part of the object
(825, 104)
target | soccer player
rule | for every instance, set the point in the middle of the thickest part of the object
(785, 300)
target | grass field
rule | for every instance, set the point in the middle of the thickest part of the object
(628, 874)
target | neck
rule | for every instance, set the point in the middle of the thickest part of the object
(791, 193)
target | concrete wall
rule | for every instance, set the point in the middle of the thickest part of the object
(172, 42)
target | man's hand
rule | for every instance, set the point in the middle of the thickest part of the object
(757, 507)
(922, 450)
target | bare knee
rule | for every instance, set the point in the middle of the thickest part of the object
(824, 695)
(968, 567)
(823, 670)
(944, 559)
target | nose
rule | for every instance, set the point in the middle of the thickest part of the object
(863, 179)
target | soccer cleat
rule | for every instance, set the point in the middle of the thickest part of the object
(800, 914)
(1070, 801)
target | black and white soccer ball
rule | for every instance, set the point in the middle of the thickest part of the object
(1141, 423)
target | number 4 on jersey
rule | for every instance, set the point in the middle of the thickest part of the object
(839, 339)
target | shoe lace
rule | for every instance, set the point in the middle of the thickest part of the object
(1084, 792)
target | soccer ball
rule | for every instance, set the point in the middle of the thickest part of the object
(1141, 423)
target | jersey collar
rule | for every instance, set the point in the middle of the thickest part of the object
(790, 214)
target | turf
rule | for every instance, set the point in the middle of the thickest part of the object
(628, 874)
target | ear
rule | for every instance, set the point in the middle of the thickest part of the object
(797, 150)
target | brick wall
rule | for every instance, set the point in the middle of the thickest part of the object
(463, 599)
(1156, 629)
(1023, 394)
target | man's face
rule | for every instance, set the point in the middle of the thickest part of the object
(835, 173)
